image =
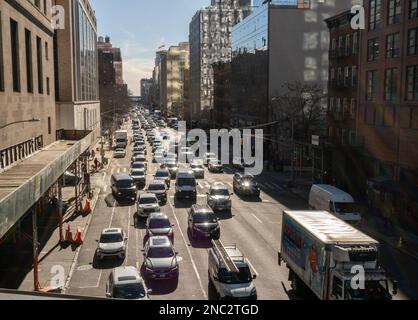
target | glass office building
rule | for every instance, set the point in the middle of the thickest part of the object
(85, 53)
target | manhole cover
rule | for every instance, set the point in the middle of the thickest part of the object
(85, 268)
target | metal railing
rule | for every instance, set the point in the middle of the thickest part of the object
(20, 151)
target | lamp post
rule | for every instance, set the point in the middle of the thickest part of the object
(20, 121)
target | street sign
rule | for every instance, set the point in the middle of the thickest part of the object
(315, 140)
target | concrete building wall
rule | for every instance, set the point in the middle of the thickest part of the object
(25, 105)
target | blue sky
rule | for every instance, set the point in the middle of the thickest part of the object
(139, 27)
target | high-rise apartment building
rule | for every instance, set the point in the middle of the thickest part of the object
(209, 38)
(146, 91)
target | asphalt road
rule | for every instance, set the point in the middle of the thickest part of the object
(254, 227)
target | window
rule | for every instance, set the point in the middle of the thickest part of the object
(353, 109)
(1, 57)
(371, 85)
(348, 45)
(413, 8)
(340, 76)
(333, 47)
(374, 14)
(394, 11)
(338, 108)
(28, 51)
(354, 76)
(345, 106)
(14, 41)
(340, 45)
(40, 65)
(412, 83)
(332, 74)
(392, 45)
(49, 125)
(412, 41)
(372, 49)
(48, 91)
(46, 51)
(355, 43)
(331, 105)
(391, 78)
(347, 76)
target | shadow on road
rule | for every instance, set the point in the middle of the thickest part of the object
(106, 264)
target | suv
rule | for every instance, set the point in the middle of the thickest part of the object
(158, 224)
(215, 166)
(147, 203)
(230, 274)
(186, 185)
(203, 222)
(246, 185)
(219, 197)
(198, 169)
(123, 186)
(163, 175)
(112, 243)
(172, 168)
(160, 259)
(139, 177)
(126, 283)
(159, 188)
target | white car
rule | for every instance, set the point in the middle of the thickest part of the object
(126, 283)
(112, 243)
(147, 203)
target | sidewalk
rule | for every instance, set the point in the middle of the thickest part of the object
(372, 225)
(55, 258)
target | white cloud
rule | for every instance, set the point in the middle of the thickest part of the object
(135, 69)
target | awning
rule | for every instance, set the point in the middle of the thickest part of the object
(24, 184)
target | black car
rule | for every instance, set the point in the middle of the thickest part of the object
(123, 186)
(203, 222)
(246, 185)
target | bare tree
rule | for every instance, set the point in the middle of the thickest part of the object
(301, 104)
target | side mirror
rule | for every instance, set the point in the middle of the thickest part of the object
(254, 277)
(176, 253)
(173, 225)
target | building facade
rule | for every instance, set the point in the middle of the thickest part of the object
(210, 42)
(173, 67)
(76, 65)
(146, 91)
(26, 79)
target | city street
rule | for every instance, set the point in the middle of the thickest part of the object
(254, 226)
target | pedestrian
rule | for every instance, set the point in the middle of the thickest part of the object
(93, 154)
(96, 164)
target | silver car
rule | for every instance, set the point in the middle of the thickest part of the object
(219, 197)
(198, 169)
(112, 243)
(160, 259)
(126, 283)
(119, 153)
(147, 203)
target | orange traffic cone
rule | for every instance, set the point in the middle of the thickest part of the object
(77, 238)
(68, 235)
(87, 207)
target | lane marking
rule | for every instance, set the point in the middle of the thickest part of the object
(252, 267)
(189, 252)
(128, 235)
(255, 217)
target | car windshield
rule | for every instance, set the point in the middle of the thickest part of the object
(373, 290)
(205, 218)
(243, 276)
(138, 165)
(219, 192)
(129, 291)
(162, 174)
(111, 238)
(147, 200)
(343, 207)
(171, 165)
(156, 187)
(160, 252)
(120, 150)
(186, 182)
(159, 224)
(125, 183)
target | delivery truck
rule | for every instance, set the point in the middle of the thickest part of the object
(121, 137)
(332, 259)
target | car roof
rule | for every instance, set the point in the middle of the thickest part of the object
(158, 215)
(121, 176)
(184, 173)
(126, 275)
(218, 186)
(159, 241)
(199, 208)
(112, 231)
(147, 195)
(158, 182)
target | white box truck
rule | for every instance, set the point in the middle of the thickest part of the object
(329, 198)
(121, 137)
(331, 258)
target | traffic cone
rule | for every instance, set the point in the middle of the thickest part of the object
(77, 238)
(68, 235)
(87, 207)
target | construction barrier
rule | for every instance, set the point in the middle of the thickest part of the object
(77, 238)
(87, 207)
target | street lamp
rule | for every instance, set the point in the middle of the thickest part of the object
(21, 121)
